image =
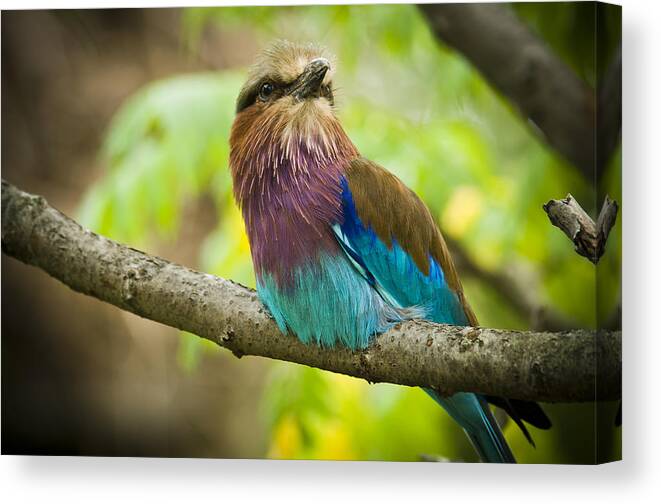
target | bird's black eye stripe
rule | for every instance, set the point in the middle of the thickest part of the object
(270, 90)
(266, 90)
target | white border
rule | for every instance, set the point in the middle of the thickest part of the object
(108, 480)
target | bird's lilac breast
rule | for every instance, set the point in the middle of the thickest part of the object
(289, 216)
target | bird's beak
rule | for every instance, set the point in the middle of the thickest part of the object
(308, 84)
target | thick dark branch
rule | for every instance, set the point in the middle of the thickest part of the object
(525, 365)
(526, 71)
(609, 115)
(589, 238)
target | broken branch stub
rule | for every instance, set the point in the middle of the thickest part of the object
(589, 238)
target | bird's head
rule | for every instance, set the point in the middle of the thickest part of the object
(285, 119)
(286, 79)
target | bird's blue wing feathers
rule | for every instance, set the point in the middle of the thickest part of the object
(393, 272)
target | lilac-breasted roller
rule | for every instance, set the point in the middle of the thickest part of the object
(342, 249)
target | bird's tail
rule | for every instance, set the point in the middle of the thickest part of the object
(472, 412)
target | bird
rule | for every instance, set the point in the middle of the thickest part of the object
(342, 250)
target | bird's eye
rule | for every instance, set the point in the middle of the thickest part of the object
(265, 91)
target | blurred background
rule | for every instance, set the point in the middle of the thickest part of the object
(120, 118)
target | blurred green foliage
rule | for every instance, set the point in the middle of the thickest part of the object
(424, 113)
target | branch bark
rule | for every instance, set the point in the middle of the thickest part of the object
(539, 366)
(519, 65)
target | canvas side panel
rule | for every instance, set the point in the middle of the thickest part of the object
(608, 55)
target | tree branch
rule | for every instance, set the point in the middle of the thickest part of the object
(589, 238)
(518, 64)
(524, 365)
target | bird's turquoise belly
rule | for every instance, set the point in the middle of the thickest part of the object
(328, 303)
